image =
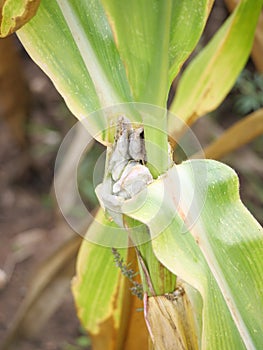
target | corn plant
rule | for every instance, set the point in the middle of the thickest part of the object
(177, 253)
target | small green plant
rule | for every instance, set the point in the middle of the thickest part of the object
(197, 248)
(249, 92)
(81, 343)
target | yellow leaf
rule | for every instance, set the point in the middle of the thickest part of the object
(15, 13)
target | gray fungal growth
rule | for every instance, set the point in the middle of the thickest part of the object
(127, 173)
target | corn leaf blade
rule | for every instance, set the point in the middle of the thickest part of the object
(98, 281)
(210, 76)
(73, 43)
(187, 24)
(154, 39)
(219, 253)
(85, 57)
(105, 305)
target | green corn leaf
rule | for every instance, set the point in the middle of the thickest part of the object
(105, 305)
(141, 32)
(187, 23)
(210, 76)
(88, 47)
(154, 38)
(98, 285)
(73, 43)
(203, 233)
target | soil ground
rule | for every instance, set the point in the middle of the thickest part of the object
(27, 210)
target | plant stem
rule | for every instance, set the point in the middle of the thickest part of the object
(156, 142)
(162, 280)
(156, 279)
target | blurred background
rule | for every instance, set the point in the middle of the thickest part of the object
(37, 247)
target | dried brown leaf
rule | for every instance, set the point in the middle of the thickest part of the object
(236, 136)
(171, 323)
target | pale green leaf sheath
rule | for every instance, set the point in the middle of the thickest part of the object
(218, 250)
